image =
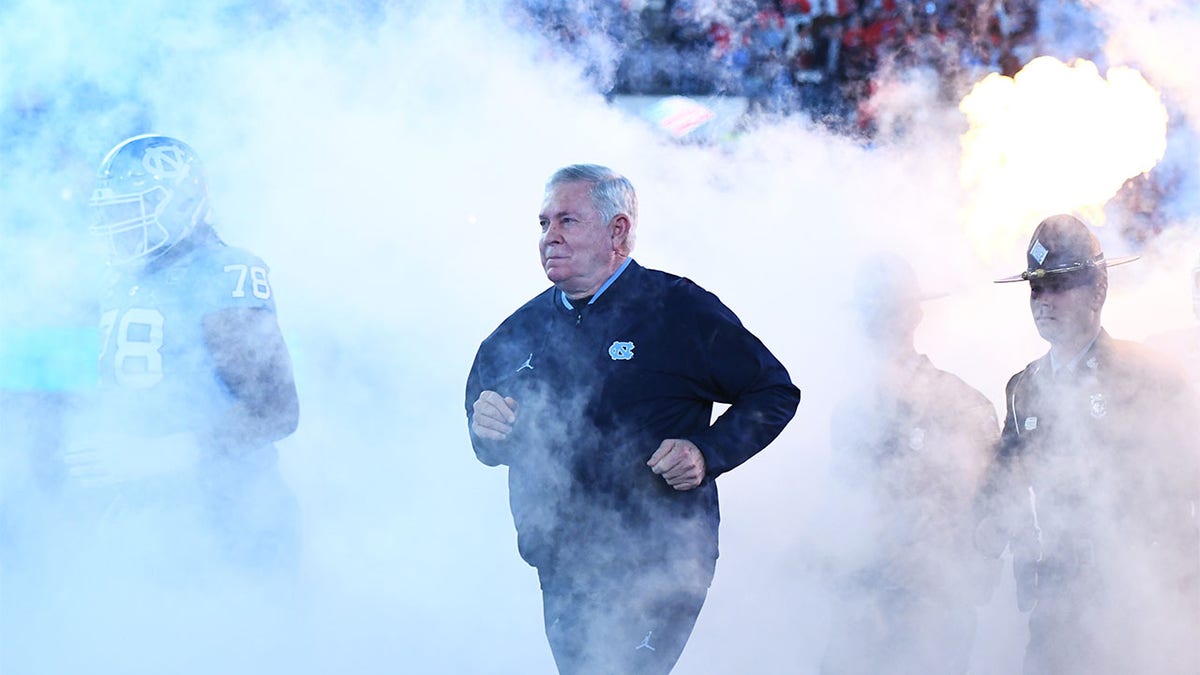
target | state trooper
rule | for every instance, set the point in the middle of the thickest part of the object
(915, 440)
(1095, 480)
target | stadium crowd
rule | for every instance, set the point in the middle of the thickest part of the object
(786, 56)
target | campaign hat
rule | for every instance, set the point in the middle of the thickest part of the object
(1065, 253)
(886, 279)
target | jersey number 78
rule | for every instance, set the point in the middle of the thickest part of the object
(137, 360)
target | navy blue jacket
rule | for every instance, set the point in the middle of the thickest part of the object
(599, 387)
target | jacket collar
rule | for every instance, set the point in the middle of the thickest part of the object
(563, 302)
(1090, 357)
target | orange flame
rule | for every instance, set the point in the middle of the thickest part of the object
(1055, 138)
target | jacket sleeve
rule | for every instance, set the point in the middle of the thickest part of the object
(491, 453)
(736, 368)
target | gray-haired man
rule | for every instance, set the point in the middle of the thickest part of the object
(598, 395)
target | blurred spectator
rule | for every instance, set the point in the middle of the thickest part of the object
(807, 62)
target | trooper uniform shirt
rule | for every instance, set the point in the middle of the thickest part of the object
(600, 384)
(1103, 466)
(1108, 445)
(920, 447)
(915, 443)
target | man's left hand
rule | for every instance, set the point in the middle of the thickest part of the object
(679, 462)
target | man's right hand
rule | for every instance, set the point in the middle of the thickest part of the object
(494, 415)
(105, 459)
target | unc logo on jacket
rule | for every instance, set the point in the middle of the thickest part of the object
(621, 350)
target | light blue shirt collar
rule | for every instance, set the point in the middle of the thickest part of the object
(567, 303)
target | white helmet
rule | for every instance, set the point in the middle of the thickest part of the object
(150, 194)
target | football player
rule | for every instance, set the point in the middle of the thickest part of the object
(195, 380)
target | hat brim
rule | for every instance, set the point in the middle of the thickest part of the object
(883, 299)
(1108, 262)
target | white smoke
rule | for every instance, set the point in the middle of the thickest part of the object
(387, 161)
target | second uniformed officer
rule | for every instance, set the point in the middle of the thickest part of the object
(915, 440)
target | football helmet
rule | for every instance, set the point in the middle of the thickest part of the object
(150, 194)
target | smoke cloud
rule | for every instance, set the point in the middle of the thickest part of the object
(387, 160)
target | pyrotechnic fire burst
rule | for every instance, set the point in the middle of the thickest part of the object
(1055, 138)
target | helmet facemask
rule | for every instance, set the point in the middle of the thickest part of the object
(129, 223)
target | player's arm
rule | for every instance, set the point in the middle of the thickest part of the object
(252, 360)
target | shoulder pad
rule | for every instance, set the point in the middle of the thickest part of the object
(226, 276)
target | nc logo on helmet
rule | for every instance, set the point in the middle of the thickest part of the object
(621, 351)
(166, 161)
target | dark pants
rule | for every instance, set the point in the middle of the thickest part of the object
(1123, 622)
(636, 624)
(253, 513)
(895, 631)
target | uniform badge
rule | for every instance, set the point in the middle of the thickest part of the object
(1030, 423)
(1098, 408)
(916, 438)
(1038, 251)
(621, 351)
